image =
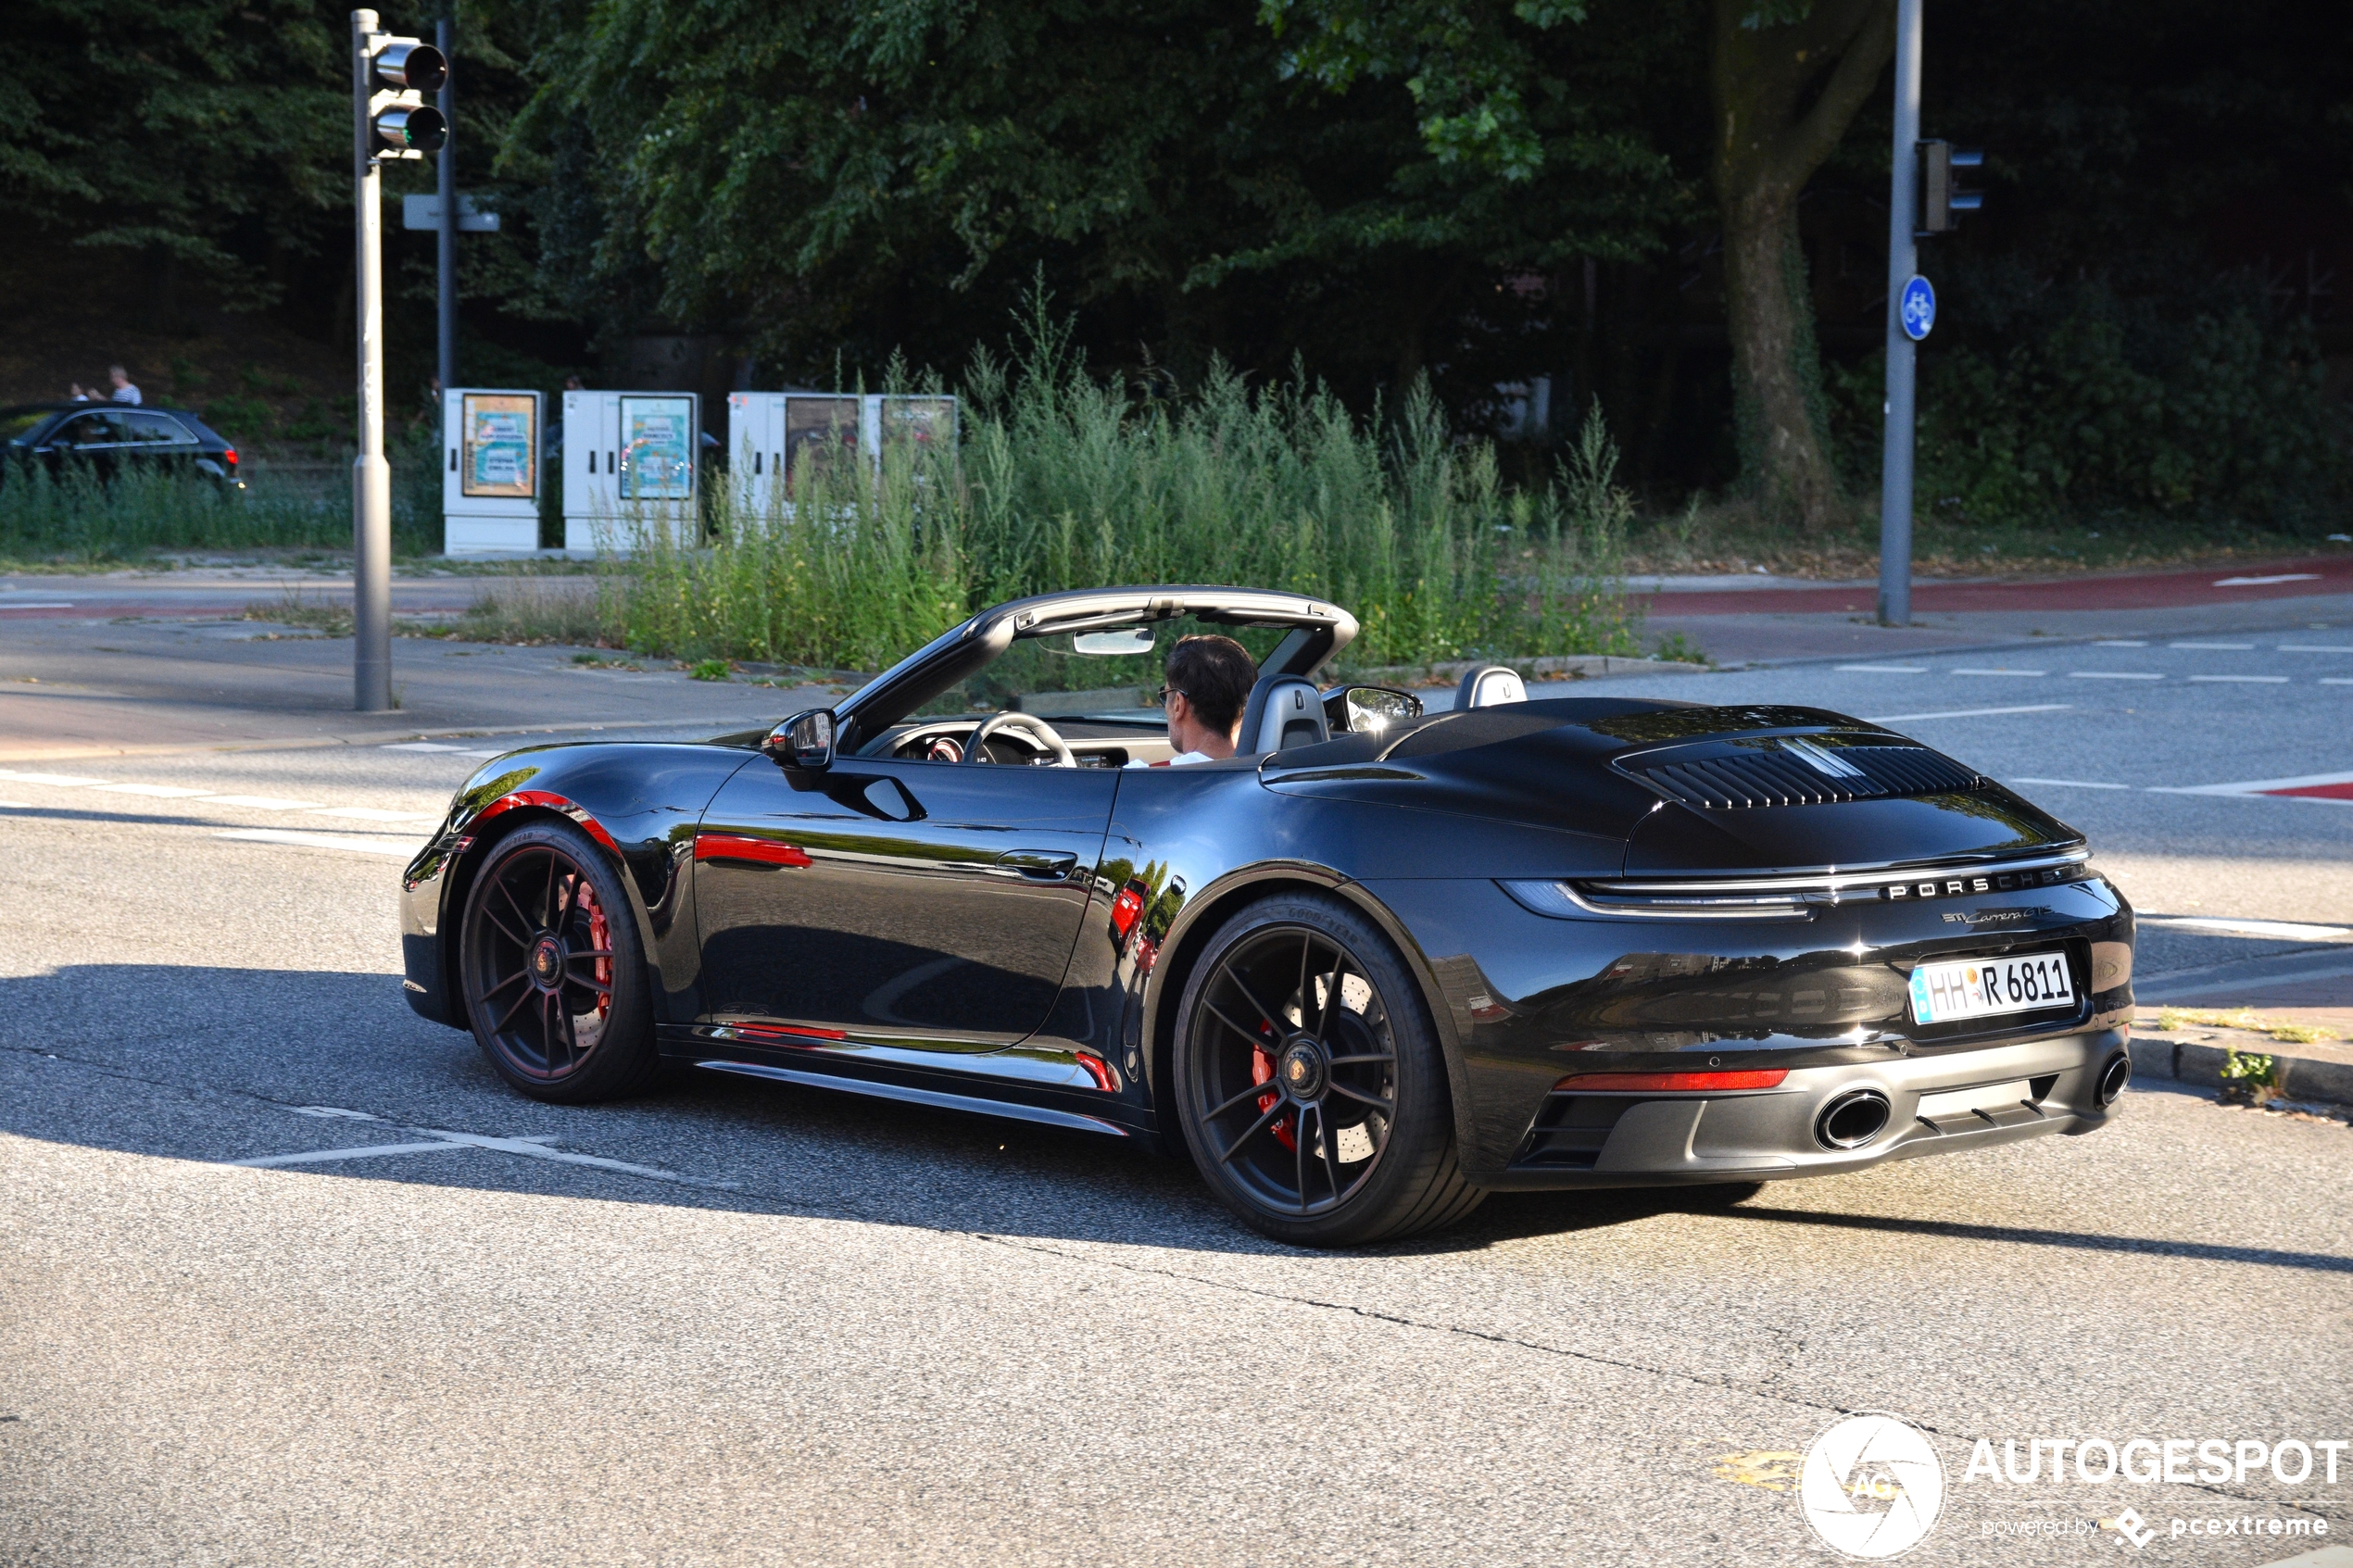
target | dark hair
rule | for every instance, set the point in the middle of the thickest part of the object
(1216, 674)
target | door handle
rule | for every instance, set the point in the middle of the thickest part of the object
(1039, 865)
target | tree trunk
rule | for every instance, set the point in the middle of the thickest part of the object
(1784, 95)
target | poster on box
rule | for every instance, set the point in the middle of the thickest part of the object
(656, 449)
(819, 424)
(500, 438)
(924, 422)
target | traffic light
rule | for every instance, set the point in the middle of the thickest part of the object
(1942, 195)
(402, 72)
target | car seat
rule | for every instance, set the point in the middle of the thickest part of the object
(1489, 685)
(1283, 712)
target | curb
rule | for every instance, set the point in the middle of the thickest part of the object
(2297, 1077)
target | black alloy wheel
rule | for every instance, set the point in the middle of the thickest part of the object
(1310, 1081)
(554, 975)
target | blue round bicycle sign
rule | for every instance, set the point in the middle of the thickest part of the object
(1918, 308)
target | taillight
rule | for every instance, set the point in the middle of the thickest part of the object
(229, 455)
(1669, 1083)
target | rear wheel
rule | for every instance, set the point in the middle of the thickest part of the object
(554, 976)
(1310, 1081)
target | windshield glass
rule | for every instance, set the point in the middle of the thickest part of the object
(1048, 675)
(19, 422)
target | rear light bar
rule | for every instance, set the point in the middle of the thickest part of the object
(1670, 1082)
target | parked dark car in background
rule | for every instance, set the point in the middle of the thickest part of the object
(105, 438)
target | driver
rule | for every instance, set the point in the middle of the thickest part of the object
(1209, 683)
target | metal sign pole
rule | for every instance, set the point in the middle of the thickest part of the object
(442, 36)
(371, 475)
(1895, 461)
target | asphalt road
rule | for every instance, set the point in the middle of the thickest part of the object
(742, 1323)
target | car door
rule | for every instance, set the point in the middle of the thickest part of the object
(161, 443)
(925, 904)
(88, 443)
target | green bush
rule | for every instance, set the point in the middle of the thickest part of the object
(76, 518)
(1064, 481)
(2040, 402)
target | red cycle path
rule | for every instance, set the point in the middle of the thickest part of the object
(2144, 590)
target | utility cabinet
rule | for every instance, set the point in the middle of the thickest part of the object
(771, 433)
(490, 475)
(630, 468)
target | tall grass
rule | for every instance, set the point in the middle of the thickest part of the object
(1064, 481)
(75, 517)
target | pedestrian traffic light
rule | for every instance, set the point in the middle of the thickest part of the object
(401, 72)
(1942, 193)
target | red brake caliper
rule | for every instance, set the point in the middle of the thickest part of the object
(1262, 1071)
(599, 940)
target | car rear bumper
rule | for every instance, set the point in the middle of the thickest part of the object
(1935, 1104)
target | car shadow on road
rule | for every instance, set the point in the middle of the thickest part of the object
(220, 1065)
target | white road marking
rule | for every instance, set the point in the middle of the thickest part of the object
(17, 805)
(2242, 680)
(2259, 581)
(2114, 675)
(2119, 643)
(261, 802)
(2315, 648)
(160, 792)
(2005, 671)
(2216, 647)
(1968, 713)
(1886, 669)
(2072, 783)
(333, 1110)
(322, 841)
(2290, 930)
(373, 814)
(45, 603)
(2336, 679)
(531, 1147)
(2254, 786)
(421, 745)
(373, 1151)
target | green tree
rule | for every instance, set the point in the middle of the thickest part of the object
(174, 129)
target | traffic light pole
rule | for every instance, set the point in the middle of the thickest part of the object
(1902, 260)
(371, 475)
(447, 164)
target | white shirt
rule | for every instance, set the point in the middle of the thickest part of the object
(126, 392)
(1182, 759)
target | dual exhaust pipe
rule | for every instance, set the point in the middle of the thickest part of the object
(1854, 1118)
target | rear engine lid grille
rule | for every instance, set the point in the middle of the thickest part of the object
(1798, 770)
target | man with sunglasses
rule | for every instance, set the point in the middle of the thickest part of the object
(1209, 683)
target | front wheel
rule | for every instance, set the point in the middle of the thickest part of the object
(553, 972)
(1310, 1082)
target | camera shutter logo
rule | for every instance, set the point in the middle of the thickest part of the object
(1871, 1487)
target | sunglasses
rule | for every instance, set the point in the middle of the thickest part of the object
(1160, 697)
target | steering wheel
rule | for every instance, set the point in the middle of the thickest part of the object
(976, 748)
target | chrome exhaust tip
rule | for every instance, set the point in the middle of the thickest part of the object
(1851, 1119)
(2114, 1075)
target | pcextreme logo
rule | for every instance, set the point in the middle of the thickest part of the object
(1871, 1487)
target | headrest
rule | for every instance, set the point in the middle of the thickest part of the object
(1283, 712)
(1489, 685)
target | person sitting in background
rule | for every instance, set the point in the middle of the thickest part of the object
(123, 391)
(79, 394)
(1209, 683)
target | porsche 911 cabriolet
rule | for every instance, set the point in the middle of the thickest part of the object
(1379, 963)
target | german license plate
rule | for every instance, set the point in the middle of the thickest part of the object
(1960, 988)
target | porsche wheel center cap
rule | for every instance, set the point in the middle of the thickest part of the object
(546, 961)
(1302, 1070)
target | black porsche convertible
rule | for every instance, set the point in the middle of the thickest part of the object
(1377, 964)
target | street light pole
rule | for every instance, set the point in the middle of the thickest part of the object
(371, 475)
(1902, 260)
(441, 36)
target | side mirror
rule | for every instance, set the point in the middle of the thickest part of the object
(1363, 710)
(805, 740)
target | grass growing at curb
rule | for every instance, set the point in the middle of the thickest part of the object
(75, 519)
(1065, 483)
(2171, 1018)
